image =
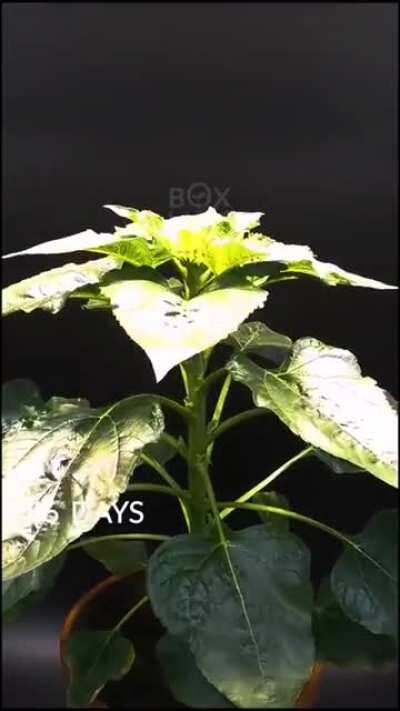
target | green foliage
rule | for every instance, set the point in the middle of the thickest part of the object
(242, 628)
(22, 593)
(184, 678)
(321, 396)
(64, 465)
(343, 642)
(94, 658)
(50, 290)
(171, 329)
(119, 557)
(367, 588)
(250, 633)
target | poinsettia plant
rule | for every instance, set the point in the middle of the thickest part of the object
(239, 610)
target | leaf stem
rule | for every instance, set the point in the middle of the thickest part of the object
(212, 378)
(311, 522)
(159, 489)
(121, 537)
(216, 417)
(170, 480)
(236, 420)
(264, 483)
(172, 405)
(130, 613)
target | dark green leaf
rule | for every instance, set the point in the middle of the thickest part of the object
(342, 642)
(366, 588)
(20, 594)
(244, 610)
(17, 396)
(94, 658)
(185, 680)
(119, 557)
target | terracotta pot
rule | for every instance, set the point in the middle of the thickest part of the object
(100, 608)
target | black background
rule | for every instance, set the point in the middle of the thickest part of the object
(285, 108)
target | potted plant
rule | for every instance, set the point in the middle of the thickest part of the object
(241, 624)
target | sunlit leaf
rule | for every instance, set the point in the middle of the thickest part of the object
(171, 329)
(63, 467)
(321, 395)
(50, 290)
(256, 337)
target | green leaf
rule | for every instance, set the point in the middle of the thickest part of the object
(321, 396)
(138, 252)
(185, 680)
(50, 290)
(366, 588)
(143, 223)
(171, 329)
(63, 467)
(119, 557)
(248, 630)
(256, 337)
(342, 642)
(276, 524)
(94, 658)
(80, 242)
(162, 451)
(21, 593)
(17, 397)
(299, 260)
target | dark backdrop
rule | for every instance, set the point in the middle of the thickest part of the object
(285, 108)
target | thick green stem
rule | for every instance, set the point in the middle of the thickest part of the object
(197, 441)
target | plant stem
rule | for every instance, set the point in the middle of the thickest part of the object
(197, 439)
(130, 613)
(311, 522)
(214, 422)
(264, 483)
(159, 489)
(172, 405)
(175, 443)
(120, 536)
(161, 471)
(212, 378)
(170, 480)
(236, 420)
